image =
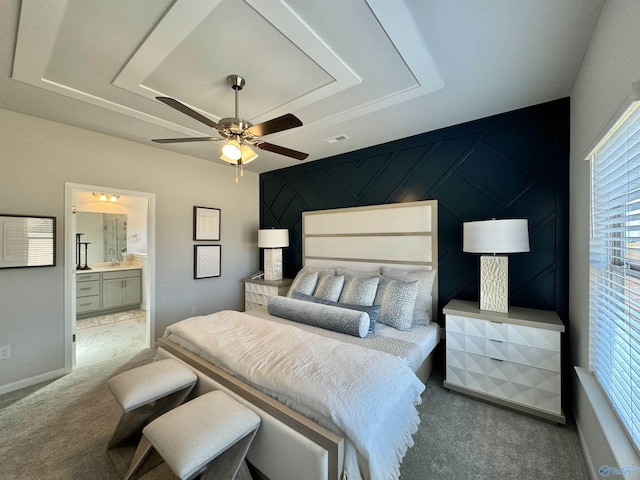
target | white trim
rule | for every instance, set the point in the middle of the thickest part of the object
(27, 382)
(614, 119)
(69, 266)
(616, 437)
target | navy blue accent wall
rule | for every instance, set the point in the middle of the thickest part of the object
(512, 165)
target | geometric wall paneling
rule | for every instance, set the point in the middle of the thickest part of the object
(512, 165)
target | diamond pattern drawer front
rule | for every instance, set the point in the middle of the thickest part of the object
(256, 298)
(529, 386)
(505, 332)
(255, 306)
(268, 290)
(513, 352)
(512, 359)
(257, 293)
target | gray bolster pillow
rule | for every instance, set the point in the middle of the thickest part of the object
(338, 319)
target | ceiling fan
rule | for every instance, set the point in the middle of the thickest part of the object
(240, 135)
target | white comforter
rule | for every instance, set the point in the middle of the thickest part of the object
(369, 395)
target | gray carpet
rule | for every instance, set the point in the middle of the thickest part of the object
(59, 430)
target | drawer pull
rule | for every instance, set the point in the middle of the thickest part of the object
(499, 323)
(497, 341)
(86, 288)
(496, 359)
(85, 304)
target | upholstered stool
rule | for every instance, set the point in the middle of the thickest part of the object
(208, 436)
(146, 392)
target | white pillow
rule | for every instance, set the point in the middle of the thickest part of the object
(424, 300)
(359, 290)
(329, 287)
(304, 282)
(397, 299)
(356, 273)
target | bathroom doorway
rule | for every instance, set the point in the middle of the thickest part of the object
(109, 273)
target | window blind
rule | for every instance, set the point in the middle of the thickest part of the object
(615, 268)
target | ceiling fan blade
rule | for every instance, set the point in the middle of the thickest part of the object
(181, 107)
(282, 150)
(285, 122)
(181, 140)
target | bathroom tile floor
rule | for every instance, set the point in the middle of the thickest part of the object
(109, 336)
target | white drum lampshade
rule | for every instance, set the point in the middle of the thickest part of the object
(495, 237)
(273, 240)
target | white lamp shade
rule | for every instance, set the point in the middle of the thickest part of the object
(496, 236)
(273, 238)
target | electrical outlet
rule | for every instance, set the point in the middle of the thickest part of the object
(5, 352)
(194, 310)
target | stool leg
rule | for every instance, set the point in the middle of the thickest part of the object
(164, 404)
(226, 465)
(243, 472)
(144, 447)
(130, 424)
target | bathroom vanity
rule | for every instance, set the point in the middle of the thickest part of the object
(108, 289)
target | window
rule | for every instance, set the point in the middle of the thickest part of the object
(615, 268)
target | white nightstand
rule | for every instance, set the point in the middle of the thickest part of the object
(512, 359)
(258, 292)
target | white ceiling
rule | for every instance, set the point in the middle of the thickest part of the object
(373, 70)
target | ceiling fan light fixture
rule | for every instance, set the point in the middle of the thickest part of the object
(231, 151)
(248, 155)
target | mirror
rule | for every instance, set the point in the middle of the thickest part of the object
(106, 234)
(27, 241)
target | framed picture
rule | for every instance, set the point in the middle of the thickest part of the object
(27, 241)
(206, 261)
(206, 224)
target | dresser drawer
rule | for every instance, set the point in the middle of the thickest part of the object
(87, 277)
(528, 386)
(261, 289)
(513, 352)
(256, 298)
(505, 332)
(86, 289)
(255, 306)
(87, 304)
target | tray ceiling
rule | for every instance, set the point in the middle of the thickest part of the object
(373, 70)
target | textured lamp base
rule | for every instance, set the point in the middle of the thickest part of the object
(273, 264)
(494, 283)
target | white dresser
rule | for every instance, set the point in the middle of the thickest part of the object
(257, 292)
(512, 359)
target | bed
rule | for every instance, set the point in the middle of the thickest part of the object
(301, 435)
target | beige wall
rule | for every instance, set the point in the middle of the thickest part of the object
(37, 157)
(610, 67)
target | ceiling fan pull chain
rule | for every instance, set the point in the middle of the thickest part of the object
(236, 173)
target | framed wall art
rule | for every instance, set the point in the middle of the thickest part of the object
(206, 224)
(206, 261)
(27, 241)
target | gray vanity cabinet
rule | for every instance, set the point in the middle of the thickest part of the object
(87, 292)
(121, 288)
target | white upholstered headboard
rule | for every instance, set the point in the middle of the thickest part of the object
(399, 235)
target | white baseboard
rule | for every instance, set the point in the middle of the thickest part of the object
(604, 441)
(27, 382)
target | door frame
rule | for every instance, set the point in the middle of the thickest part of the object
(70, 189)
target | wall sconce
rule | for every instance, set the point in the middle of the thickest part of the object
(273, 240)
(495, 237)
(103, 197)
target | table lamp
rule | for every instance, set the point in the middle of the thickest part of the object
(495, 237)
(273, 240)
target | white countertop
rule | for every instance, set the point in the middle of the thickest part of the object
(107, 267)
